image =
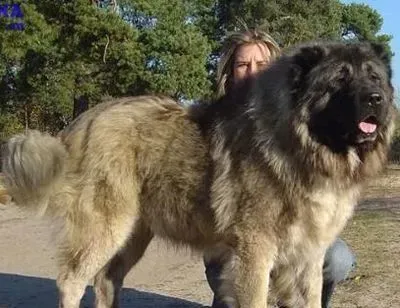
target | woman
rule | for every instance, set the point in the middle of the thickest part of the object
(243, 55)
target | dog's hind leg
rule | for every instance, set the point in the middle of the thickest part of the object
(87, 252)
(109, 280)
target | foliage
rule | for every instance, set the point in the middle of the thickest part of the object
(78, 52)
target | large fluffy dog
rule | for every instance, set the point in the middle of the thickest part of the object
(272, 176)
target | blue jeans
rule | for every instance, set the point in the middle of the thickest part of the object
(339, 262)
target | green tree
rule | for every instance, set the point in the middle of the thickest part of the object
(73, 53)
(289, 22)
(361, 22)
(175, 47)
(295, 21)
(67, 51)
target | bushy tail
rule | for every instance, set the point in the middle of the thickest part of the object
(33, 164)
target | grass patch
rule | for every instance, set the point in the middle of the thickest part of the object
(375, 238)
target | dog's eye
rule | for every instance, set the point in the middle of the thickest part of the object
(343, 74)
(375, 77)
(341, 78)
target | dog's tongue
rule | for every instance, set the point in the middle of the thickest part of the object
(366, 127)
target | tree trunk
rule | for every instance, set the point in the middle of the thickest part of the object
(81, 104)
(26, 117)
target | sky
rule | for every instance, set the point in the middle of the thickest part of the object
(390, 12)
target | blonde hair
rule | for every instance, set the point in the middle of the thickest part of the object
(230, 46)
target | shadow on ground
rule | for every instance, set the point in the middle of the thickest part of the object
(28, 292)
(391, 204)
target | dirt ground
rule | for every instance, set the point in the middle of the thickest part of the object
(165, 278)
(374, 235)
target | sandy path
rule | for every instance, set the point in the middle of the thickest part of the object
(163, 278)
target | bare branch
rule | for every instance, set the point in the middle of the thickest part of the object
(105, 49)
(114, 5)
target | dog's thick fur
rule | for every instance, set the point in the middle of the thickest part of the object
(272, 176)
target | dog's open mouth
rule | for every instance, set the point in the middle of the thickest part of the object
(367, 129)
(368, 125)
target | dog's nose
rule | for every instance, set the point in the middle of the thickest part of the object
(374, 99)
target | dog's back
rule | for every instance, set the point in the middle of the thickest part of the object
(143, 151)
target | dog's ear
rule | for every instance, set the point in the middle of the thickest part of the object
(383, 54)
(304, 60)
(380, 51)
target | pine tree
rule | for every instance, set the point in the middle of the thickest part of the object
(72, 54)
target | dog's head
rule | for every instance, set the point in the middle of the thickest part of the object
(344, 93)
(331, 103)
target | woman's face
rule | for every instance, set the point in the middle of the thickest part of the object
(250, 59)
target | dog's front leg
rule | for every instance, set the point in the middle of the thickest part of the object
(255, 258)
(312, 284)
